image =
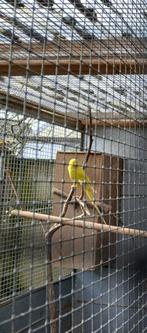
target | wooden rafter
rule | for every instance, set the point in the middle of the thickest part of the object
(74, 66)
(31, 109)
(105, 56)
(117, 122)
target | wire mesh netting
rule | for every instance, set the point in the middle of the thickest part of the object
(73, 200)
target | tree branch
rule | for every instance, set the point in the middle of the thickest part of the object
(51, 295)
(105, 207)
(90, 140)
(69, 197)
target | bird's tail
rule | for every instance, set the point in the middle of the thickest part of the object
(90, 195)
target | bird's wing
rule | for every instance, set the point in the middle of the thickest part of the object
(80, 174)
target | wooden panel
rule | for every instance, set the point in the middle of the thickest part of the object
(76, 247)
(110, 193)
(73, 246)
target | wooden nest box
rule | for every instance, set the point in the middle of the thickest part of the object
(83, 248)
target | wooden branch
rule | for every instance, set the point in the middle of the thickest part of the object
(60, 193)
(106, 208)
(86, 161)
(51, 294)
(75, 201)
(64, 66)
(90, 138)
(82, 206)
(81, 224)
(69, 197)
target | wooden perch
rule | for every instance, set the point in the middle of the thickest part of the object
(80, 223)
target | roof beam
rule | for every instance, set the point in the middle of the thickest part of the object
(31, 109)
(130, 123)
(74, 66)
(60, 56)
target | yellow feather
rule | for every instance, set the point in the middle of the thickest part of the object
(78, 176)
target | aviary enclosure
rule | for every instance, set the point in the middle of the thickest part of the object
(73, 166)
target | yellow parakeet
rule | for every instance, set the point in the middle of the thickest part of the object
(78, 176)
